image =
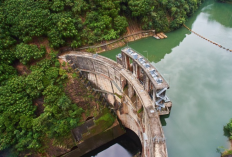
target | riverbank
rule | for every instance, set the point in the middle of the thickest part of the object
(113, 44)
(198, 72)
(226, 1)
(228, 153)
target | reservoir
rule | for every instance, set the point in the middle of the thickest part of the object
(200, 78)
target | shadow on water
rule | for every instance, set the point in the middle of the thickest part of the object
(151, 46)
(221, 13)
(126, 145)
(162, 119)
(155, 50)
(226, 132)
(200, 74)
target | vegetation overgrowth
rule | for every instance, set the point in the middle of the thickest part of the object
(19, 125)
(76, 23)
(63, 23)
(229, 1)
(228, 130)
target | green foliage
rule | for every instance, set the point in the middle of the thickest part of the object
(6, 72)
(140, 110)
(55, 38)
(230, 1)
(25, 52)
(7, 56)
(60, 114)
(140, 7)
(74, 75)
(65, 23)
(228, 128)
(224, 152)
(120, 24)
(27, 18)
(106, 120)
(76, 23)
(19, 127)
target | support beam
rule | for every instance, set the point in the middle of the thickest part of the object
(138, 104)
(125, 61)
(135, 69)
(123, 82)
(146, 83)
(131, 91)
(154, 96)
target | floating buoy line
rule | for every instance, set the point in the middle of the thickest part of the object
(207, 39)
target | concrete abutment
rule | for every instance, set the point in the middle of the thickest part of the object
(136, 104)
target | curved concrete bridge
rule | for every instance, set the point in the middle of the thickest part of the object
(139, 96)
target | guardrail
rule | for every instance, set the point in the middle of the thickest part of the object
(146, 59)
(97, 46)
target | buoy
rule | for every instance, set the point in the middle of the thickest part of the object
(207, 39)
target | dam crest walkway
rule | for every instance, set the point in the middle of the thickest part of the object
(141, 89)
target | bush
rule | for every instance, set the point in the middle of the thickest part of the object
(228, 128)
(25, 52)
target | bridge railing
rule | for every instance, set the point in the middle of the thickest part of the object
(146, 59)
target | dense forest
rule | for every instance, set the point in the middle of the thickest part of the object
(25, 24)
(230, 1)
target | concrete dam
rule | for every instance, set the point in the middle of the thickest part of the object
(139, 93)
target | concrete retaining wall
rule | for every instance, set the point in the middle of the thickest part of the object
(135, 110)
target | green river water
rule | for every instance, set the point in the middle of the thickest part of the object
(200, 78)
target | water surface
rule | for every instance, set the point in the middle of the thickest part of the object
(200, 77)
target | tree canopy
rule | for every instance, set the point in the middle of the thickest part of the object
(63, 23)
(76, 23)
(19, 126)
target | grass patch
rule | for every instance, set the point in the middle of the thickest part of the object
(227, 152)
(118, 95)
(140, 110)
(106, 120)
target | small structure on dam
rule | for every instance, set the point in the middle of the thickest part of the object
(139, 93)
(149, 77)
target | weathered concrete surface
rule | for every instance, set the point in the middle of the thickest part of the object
(149, 77)
(96, 140)
(139, 115)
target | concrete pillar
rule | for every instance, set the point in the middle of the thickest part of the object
(135, 69)
(154, 95)
(125, 61)
(131, 67)
(146, 82)
(119, 60)
(123, 82)
(130, 91)
(139, 104)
